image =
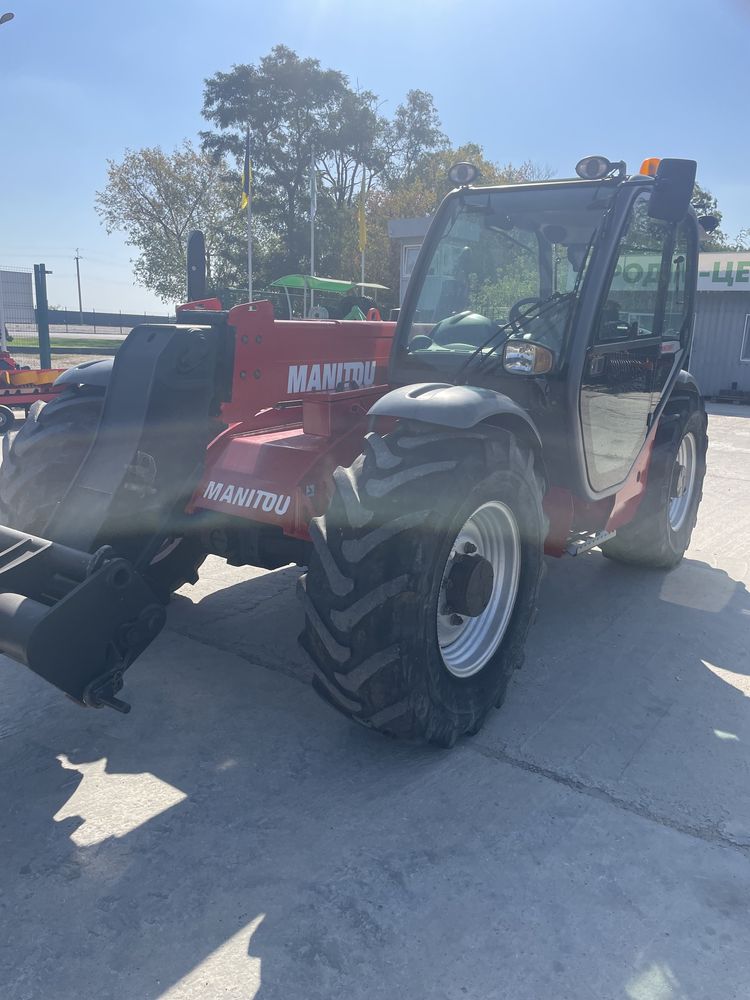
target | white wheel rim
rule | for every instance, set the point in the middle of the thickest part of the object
(466, 646)
(683, 482)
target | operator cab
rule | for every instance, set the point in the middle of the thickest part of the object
(581, 287)
(504, 263)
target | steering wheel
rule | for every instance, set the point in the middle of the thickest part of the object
(545, 329)
(516, 316)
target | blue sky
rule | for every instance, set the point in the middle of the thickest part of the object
(541, 80)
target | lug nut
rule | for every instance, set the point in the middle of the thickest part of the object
(456, 620)
(469, 547)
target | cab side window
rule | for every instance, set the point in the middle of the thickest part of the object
(631, 306)
(675, 326)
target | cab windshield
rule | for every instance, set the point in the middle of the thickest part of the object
(508, 264)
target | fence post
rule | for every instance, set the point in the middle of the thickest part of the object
(42, 315)
(3, 329)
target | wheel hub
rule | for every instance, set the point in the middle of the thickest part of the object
(478, 589)
(680, 481)
(469, 585)
(683, 482)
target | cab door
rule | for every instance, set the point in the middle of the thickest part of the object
(627, 364)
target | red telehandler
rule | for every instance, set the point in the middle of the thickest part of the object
(531, 399)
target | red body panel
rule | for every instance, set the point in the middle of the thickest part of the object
(286, 434)
(279, 360)
(26, 395)
(284, 475)
(274, 463)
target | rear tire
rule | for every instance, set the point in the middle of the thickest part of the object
(40, 465)
(660, 532)
(7, 419)
(378, 623)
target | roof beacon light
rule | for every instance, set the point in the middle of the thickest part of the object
(650, 166)
(593, 168)
(462, 174)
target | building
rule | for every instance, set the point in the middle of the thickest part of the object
(408, 234)
(720, 357)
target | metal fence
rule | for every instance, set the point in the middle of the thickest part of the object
(73, 336)
(18, 327)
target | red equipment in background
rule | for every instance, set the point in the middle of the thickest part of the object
(21, 387)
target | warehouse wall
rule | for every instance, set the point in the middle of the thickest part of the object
(717, 343)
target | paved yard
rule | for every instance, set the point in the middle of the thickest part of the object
(234, 838)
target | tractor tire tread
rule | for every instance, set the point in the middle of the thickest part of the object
(359, 592)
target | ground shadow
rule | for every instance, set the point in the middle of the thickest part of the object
(244, 818)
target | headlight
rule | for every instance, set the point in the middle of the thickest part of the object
(522, 358)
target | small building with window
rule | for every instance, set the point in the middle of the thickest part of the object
(720, 357)
(408, 235)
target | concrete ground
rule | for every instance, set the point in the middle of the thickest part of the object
(234, 838)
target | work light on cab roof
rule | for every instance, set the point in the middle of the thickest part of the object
(594, 168)
(462, 174)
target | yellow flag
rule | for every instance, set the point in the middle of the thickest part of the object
(362, 218)
(247, 174)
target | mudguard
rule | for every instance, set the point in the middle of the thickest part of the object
(95, 373)
(459, 406)
(686, 386)
(683, 400)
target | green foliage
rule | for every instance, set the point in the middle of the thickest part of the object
(414, 134)
(295, 109)
(292, 109)
(420, 195)
(156, 199)
(705, 203)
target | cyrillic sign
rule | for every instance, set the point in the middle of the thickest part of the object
(724, 272)
(717, 272)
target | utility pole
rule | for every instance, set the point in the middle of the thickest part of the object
(78, 278)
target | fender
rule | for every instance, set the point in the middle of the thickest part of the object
(458, 406)
(95, 373)
(685, 388)
(683, 400)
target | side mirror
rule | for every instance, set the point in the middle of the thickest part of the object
(708, 223)
(673, 189)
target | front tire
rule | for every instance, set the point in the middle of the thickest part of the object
(410, 632)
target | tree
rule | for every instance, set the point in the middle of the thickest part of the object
(420, 195)
(415, 133)
(705, 203)
(292, 109)
(295, 110)
(360, 142)
(156, 198)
